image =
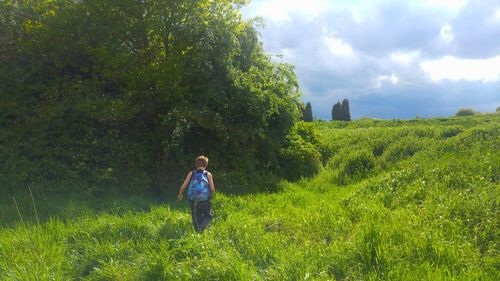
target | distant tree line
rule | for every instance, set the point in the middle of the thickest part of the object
(340, 111)
(469, 111)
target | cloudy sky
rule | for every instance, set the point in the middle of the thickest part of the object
(390, 58)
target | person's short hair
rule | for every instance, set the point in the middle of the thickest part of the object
(201, 161)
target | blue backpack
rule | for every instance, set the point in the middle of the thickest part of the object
(199, 189)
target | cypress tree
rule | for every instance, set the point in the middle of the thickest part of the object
(346, 115)
(307, 114)
(336, 111)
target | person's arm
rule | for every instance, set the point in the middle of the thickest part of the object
(183, 186)
(211, 183)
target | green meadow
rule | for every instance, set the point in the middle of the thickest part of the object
(395, 200)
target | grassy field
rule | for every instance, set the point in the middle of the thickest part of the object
(398, 200)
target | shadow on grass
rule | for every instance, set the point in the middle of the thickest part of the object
(71, 205)
(74, 205)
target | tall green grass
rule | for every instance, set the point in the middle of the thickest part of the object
(398, 200)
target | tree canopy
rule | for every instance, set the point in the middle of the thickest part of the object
(126, 93)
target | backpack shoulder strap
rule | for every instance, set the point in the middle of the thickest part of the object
(192, 175)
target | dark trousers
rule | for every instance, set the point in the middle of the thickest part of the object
(201, 213)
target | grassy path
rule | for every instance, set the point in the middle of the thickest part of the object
(263, 236)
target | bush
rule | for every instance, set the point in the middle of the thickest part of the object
(378, 145)
(303, 153)
(465, 112)
(357, 165)
(403, 148)
(452, 131)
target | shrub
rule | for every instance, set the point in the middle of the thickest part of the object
(465, 112)
(449, 132)
(379, 145)
(303, 153)
(403, 148)
(357, 165)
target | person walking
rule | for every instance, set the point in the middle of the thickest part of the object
(201, 189)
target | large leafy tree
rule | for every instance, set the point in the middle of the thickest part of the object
(127, 92)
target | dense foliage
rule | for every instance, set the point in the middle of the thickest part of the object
(126, 93)
(380, 210)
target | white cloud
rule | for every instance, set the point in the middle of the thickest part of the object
(338, 47)
(356, 16)
(447, 33)
(405, 58)
(280, 10)
(497, 15)
(446, 4)
(453, 68)
(385, 78)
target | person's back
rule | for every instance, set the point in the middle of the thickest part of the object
(201, 190)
